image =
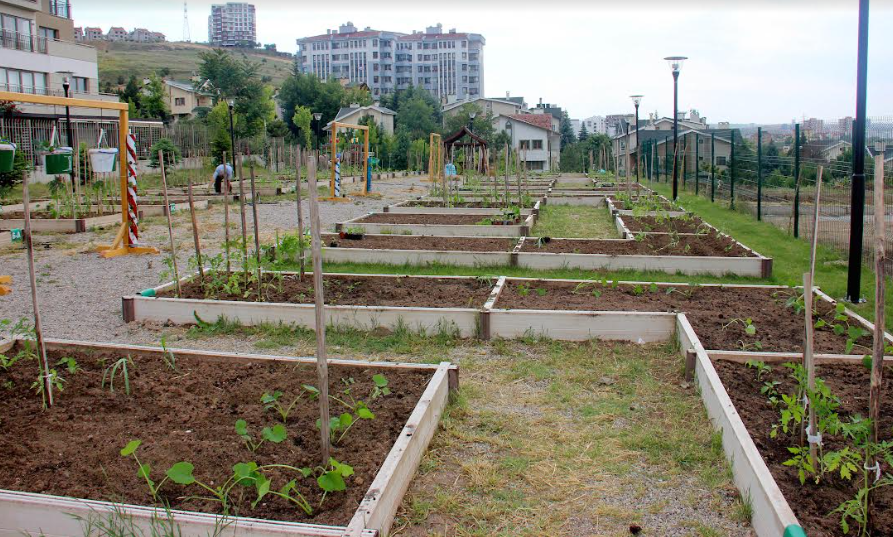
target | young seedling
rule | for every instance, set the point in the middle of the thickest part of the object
(749, 328)
(143, 470)
(119, 367)
(275, 434)
(271, 401)
(170, 359)
(71, 365)
(381, 387)
(761, 368)
(524, 289)
(39, 386)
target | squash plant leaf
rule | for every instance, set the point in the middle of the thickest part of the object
(181, 473)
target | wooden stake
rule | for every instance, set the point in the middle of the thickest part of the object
(226, 191)
(38, 326)
(808, 282)
(300, 210)
(198, 244)
(505, 202)
(880, 255)
(260, 296)
(170, 225)
(244, 219)
(322, 365)
(524, 171)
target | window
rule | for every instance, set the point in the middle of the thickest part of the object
(180, 101)
(375, 79)
(537, 144)
(375, 42)
(79, 84)
(50, 34)
(375, 55)
(524, 144)
(720, 161)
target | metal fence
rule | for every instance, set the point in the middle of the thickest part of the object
(772, 176)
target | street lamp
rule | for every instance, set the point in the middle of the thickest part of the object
(318, 117)
(637, 100)
(66, 87)
(471, 115)
(675, 63)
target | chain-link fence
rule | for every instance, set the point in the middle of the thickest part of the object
(765, 172)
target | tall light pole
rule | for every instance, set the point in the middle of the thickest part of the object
(230, 104)
(318, 117)
(675, 63)
(857, 205)
(637, 100)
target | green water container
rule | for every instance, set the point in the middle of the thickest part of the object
(7, 156)
(59, 161)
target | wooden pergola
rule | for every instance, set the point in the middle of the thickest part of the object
(456, 140)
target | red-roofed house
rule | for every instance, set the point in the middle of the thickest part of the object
(534, 136)
(116, 33)
(93, 34)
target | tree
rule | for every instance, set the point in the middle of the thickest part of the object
(567, 130)
(417, 118)
(152, 103)
(356, 95)
(306, 90)
(277, 129)
(21, 165)
(301, 120)
(240, 80)
(482, 125)
(218, 124)
(584, 134)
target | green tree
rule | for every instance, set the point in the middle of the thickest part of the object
(482, 125)
(356, 95)
(277, 129)
(417, 118)
(20, 166)
(218, 125)
(584, 134)
(152, 102)
(567, 130)
(240, 80)
(301, 120)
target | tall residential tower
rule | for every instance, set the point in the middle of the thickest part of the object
(233, 24)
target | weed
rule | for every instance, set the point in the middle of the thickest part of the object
(119, 367)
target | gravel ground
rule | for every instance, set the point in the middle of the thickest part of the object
(80, 292)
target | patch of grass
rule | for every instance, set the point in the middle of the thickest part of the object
(575, 221)
(545, 445)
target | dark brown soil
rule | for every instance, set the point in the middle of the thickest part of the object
(189, 415)
(688, 245)
(812, 503)
(463, 204)
(436, 219)
(709, 309)
(410, 242)
(621, 206)
(356, 291)
(652, 224)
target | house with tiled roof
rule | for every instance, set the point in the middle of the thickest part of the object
(183, 98)
(533, 135)
(117, 33)
(92, 33)
(353, 114)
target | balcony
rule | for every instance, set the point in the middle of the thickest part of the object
(27, 43)
(60, 9)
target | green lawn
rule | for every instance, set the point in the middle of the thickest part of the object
(575, 221)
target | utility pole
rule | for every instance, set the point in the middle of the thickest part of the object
(857, 204)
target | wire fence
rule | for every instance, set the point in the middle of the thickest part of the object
(768, 174)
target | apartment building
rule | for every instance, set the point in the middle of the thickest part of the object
(37, 53)
(117, 33)
(449, 65)
(233, 24)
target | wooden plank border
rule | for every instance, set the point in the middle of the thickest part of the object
(62, 225)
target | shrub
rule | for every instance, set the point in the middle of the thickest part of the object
(21, 166)
(167, 145)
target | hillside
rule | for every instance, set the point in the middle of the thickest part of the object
(118, 59)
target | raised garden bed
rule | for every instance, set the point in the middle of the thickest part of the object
(362, 301)
(160, 209)
(660, 207)
(44, 222)
(448, 225)
(661, 224)
(65, 461)
(593, 199)
(420, 250)
(433, 206)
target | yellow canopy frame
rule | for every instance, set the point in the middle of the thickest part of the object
(435, 157)
(121, 244)
(334, 151)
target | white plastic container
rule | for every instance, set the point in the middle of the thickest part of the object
(103, 160)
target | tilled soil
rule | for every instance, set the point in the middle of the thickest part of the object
(619, 205)
(653, 224)
(436, 219)
(812, 503)
(351, 290)
(459, 205)
(415, 242)
(687, 245)
(189, 415)
(716, 313)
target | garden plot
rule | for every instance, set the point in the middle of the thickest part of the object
(160, 209)
(186, 407)
(644, 206)
(42, 221)
(436, 206)
(555, 197)
(429, 303)
(508, 224)
(5, 238)
(418, 250)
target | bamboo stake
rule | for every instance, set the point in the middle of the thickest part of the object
(260, 296)
(524, 171)
(322, 367)
(170, 225)
(38, 326)
(198, 244)
(808, 361)
(244, 219)
(300, 211)
(506, 200)
(226, 192)
(880, 255)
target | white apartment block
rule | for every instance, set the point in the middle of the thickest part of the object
(595, 125)
(448, 65)
(37, 53)
(232, 24)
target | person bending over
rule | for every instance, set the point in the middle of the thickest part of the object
(224, 171)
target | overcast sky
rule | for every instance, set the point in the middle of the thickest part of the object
(750, 60)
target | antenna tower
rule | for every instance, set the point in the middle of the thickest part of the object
(186, 37)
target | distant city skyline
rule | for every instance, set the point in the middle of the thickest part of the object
(762, 63)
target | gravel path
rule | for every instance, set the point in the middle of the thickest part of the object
(80, 292)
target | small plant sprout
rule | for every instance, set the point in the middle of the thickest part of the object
(842, 326)
(143, 470)
(170, 359)
(71, 365)
(120, 367)
(541, 291)
(524, 289)
(381, 386)
(275, 434)
(272, 401)
(749, 328)
(39, 386)
(761, 368)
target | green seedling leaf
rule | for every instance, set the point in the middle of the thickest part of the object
(270, 398)
(820, 323)
(130, 448)
(313, 390)
(839, 329)
(144, 470)
(344, 469)
(750, 330)
(181, 473)
(331, 482)
(380, 380)
(276, 434)
(364, 413)
(840, 308)
(242, 428)
(306, 472)
(345, 420)
(854, 332)
(262, 485)
(867, 361)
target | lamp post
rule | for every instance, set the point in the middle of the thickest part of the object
(66, 87)
(317, 116)
(675, 63)
(857, 203)
(471, 115)
(637, 100)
